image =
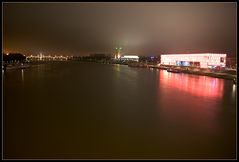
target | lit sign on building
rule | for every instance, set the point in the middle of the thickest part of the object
(202, 60)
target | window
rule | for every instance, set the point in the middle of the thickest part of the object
(221, 59)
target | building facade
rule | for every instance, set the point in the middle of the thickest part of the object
(130, 58)
(202, 60)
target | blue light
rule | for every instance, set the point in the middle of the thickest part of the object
(182, 63)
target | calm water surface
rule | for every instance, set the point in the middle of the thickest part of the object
(88, 110)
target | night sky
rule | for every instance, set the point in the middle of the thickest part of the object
(140, 28)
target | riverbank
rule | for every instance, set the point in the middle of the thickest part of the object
(205, 72)
(15, 66)
(212, 74)
(23, 65)
(222, 74)
(195, 71)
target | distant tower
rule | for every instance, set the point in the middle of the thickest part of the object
(118, 52)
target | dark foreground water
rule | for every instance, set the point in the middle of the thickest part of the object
(87, 110)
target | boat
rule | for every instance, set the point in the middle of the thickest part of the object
(172, 70)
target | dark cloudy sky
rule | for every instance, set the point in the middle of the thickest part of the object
(140, 28)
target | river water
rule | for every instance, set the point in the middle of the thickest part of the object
(88, 110)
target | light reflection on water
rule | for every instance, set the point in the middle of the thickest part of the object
(187, 98)
(22, 72)
(192, 106)
(233, 89)
(200, 86)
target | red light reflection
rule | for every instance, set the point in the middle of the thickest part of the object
(191, 103)
(201, 86)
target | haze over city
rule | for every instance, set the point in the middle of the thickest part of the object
(140, 28)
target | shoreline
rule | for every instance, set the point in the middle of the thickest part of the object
(135, 65)
(226, 76)
(209, 74)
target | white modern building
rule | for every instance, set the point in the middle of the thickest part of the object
(130, 58)
(202, 60)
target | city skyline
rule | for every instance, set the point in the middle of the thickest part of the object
(139, 28)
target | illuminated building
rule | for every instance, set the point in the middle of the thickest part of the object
(202, 60)
(130, 58)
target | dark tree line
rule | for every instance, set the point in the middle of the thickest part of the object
(149, 59)
(14, 57)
